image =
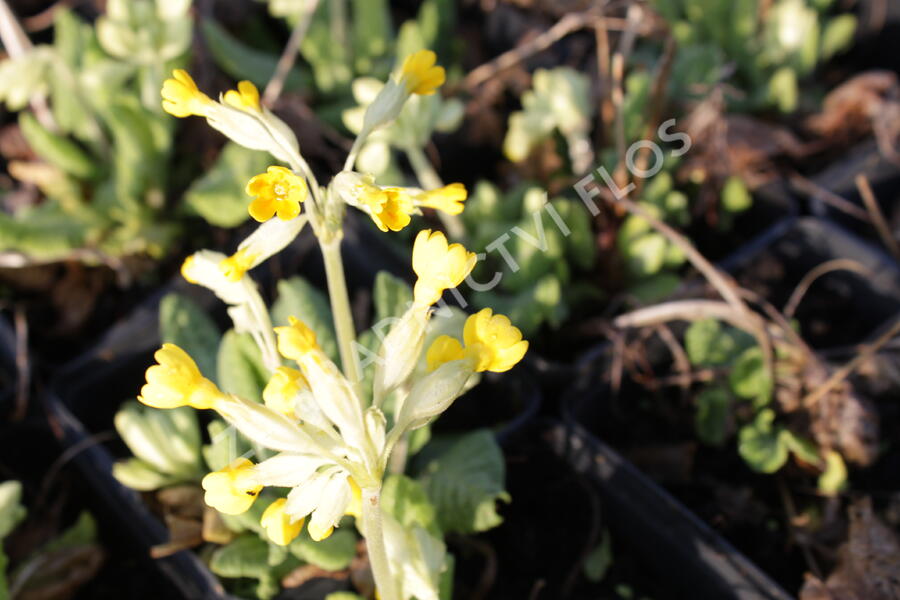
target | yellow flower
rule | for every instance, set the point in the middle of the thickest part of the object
(278, 524)
(277, 190)
(246, 97)
(182, 98)
(449, 198)
(235, 265)
(295, 340)
(419, 73)
(494, 343)
(443, 350)
(439, 266)
(232, 490)
(176, 381)
(282, 388)
(354, 509)
(390, 208)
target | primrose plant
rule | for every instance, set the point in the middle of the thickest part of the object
(331, 441)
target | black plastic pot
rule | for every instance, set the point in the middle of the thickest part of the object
(775, 263)
(840, 179)
(684, 552)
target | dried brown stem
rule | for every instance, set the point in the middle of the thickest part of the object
(566, 25)
(811, 188)
(837, 264)
(845, 371)
(289, 55)
(878, 220)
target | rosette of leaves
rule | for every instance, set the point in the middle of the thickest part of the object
(763, 443)
(104, 152)
(559, 101)
(772, 45)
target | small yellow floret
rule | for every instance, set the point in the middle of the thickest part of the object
(176, 381)
(232, 490)
(354, 509)
(187, 268)
(282, 389)
(420, 75)
(182, 98)
(278, 525)
(438, 265)
(296, 339)
(390, 208)
(246, 97)
(277, 190)
(493, 342)
(443, 350)
(235, 266)
(449, 199)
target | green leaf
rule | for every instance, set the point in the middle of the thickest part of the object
(749, 377)
(218, 196)
(140, 475)
(334, 553)
(296, 297)
(391, 296)
(59, 151)
(184, 323)
(11, 510)
(645, 255)
(4, 563)
(372, 33)
(655, 288)
(225, 445)
(708, 343)
(834, 479)
(735, 196)
(343, 596)
(581, 247)
(599, 560)
(713, 413)
(246, 556)
(783, 89)
(406, 500)
(802, 448)
(81, 533)
(328, 56)
(241, 61)
(838, 35)
(464, 480)
(761, 444)
(240, 366)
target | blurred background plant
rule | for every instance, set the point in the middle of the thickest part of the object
(101, 142)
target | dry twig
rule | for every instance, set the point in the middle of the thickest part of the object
(289, 55)
(878, 220)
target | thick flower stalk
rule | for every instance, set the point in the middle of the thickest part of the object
(331, 443)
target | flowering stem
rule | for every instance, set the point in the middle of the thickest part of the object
(429, 179)
(340, 311)
(374, 533)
